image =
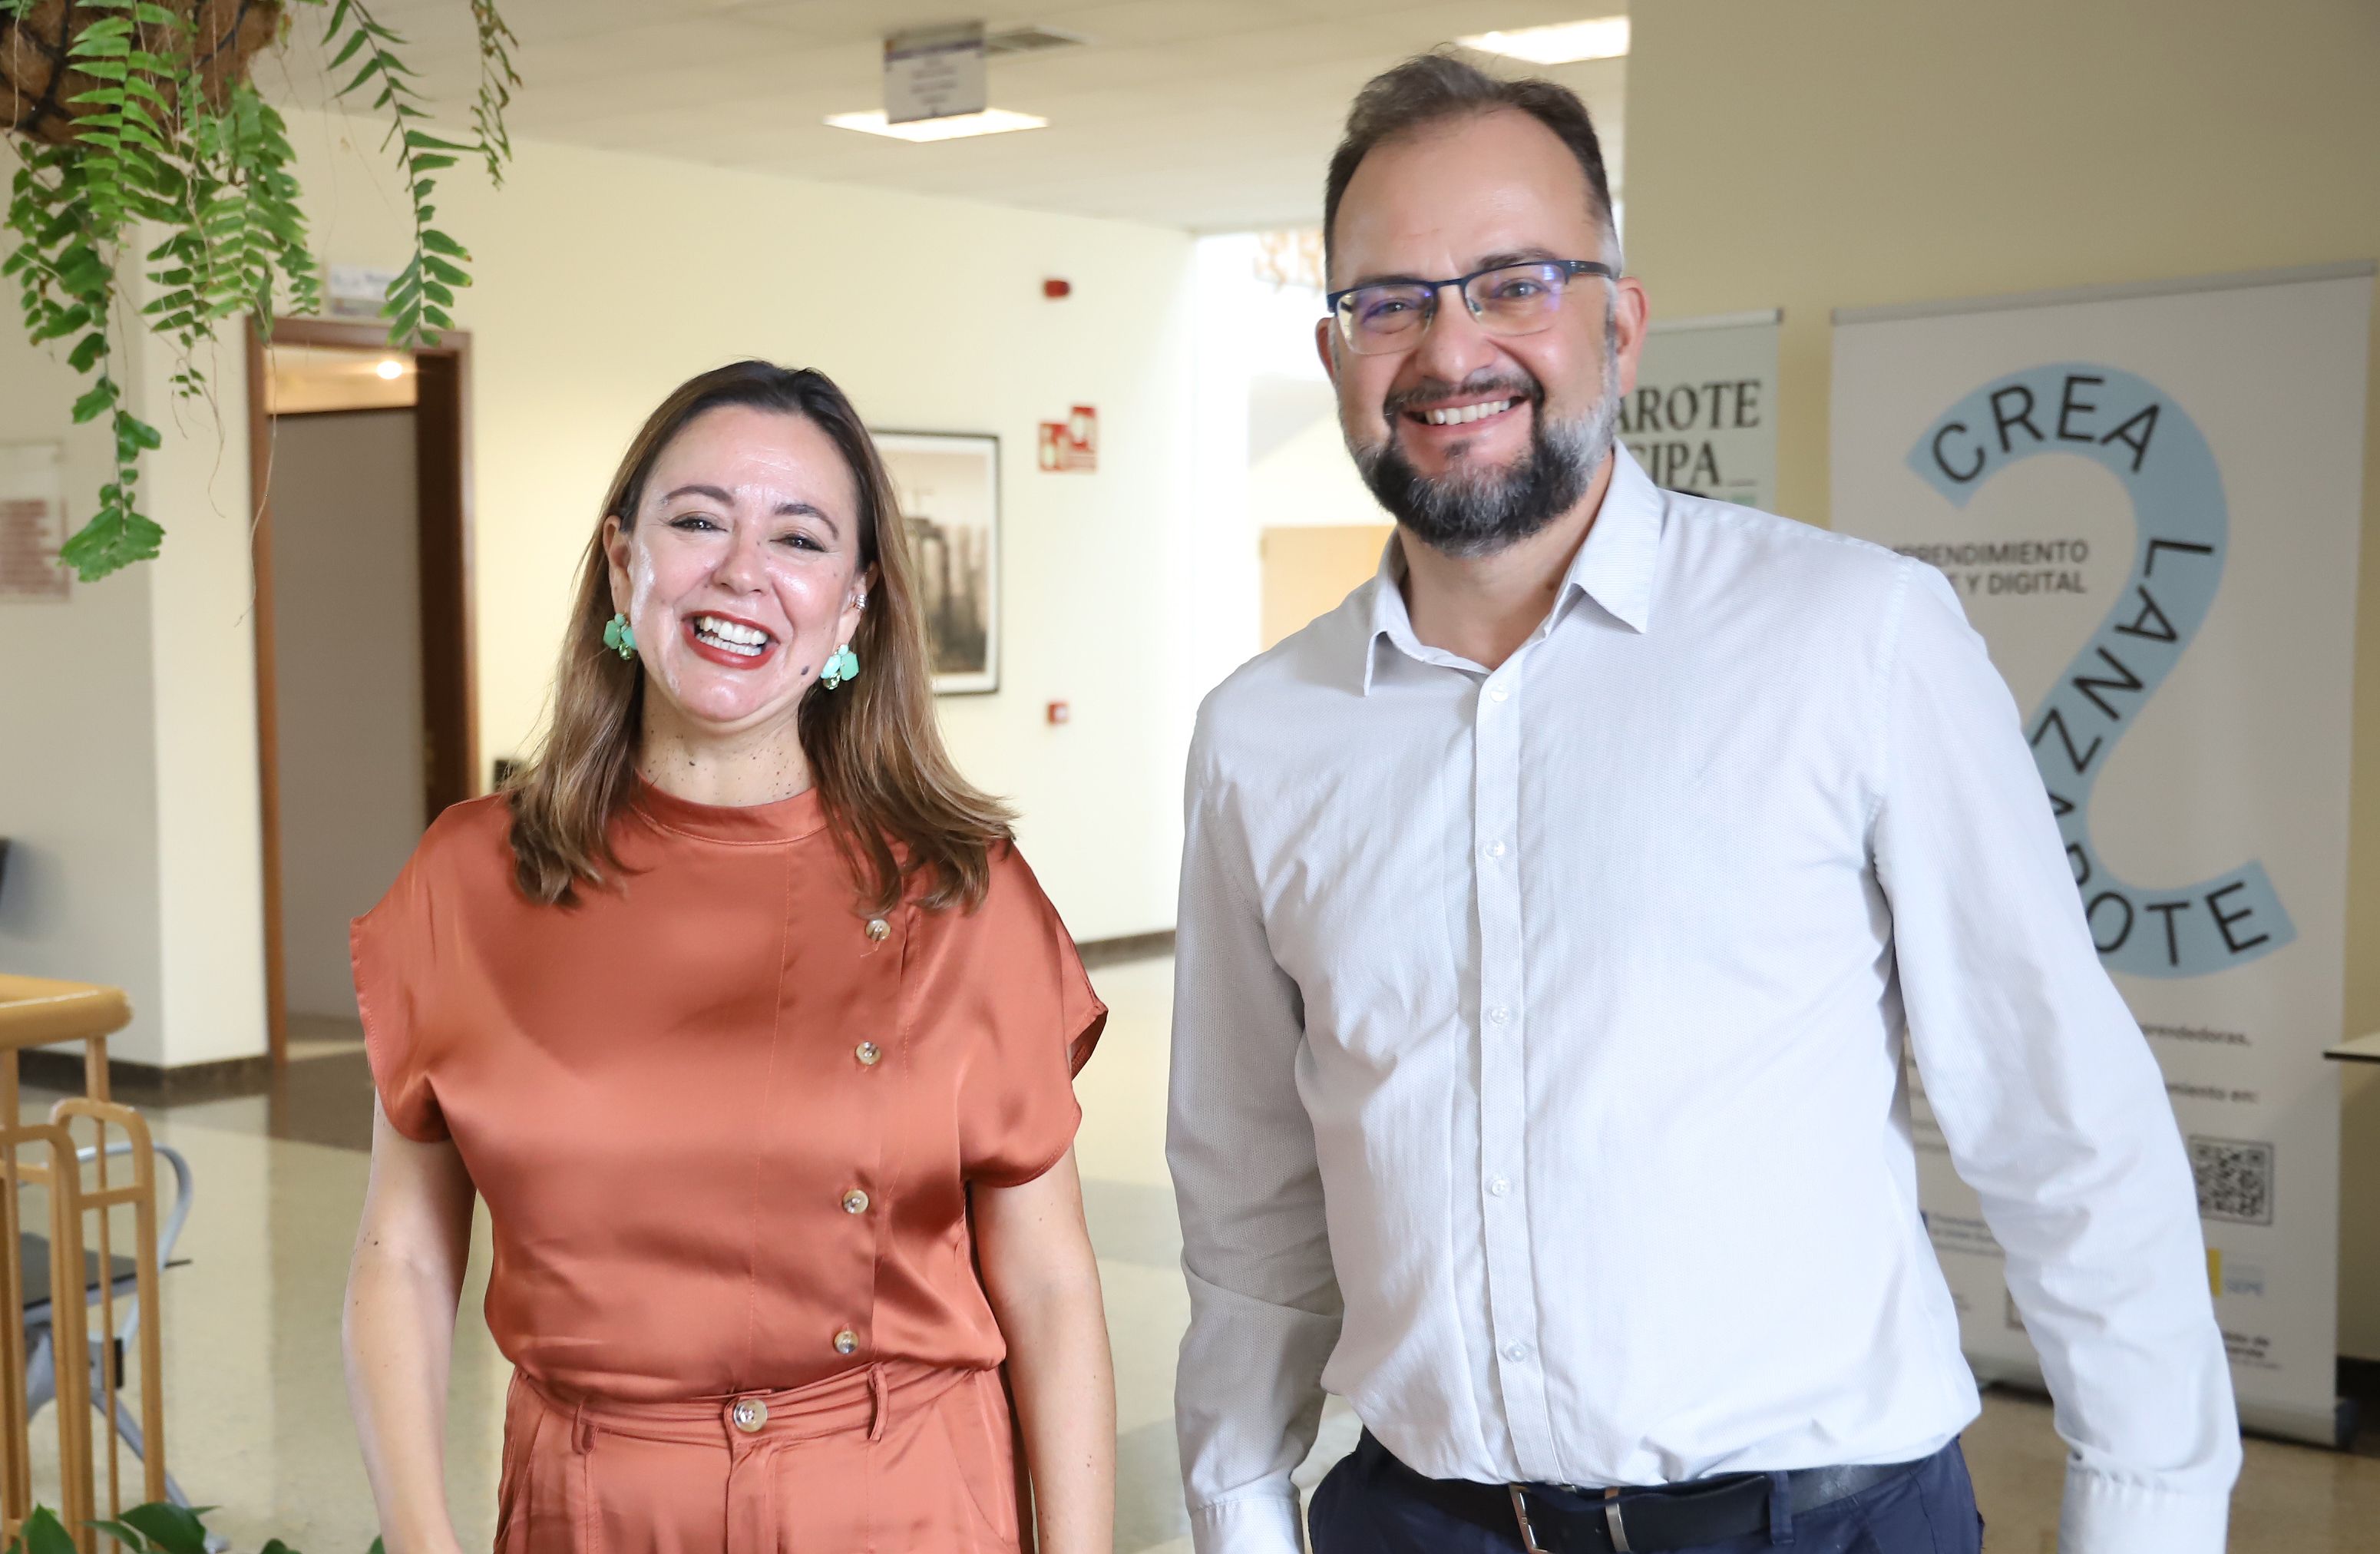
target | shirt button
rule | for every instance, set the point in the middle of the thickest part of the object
(878, 930)
(870, 1053)
(855, 1202)
(1497, 693)
(1516, 1353)
(1495, 849)
(846, 1342)
(749, 1415)
(1498, 1187)
(1499, 1015)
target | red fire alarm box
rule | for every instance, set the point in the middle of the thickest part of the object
(1071, 443)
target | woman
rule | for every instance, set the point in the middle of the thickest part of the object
(745, 1017)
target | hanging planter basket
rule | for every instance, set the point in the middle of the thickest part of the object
(38, 90)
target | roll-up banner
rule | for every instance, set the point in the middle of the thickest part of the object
(1703, 416)
(2148, 499)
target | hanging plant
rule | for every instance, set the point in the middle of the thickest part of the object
(137, 130)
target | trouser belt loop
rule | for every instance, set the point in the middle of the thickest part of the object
(582, 1429)
(1780, 1508)
(879, 1395)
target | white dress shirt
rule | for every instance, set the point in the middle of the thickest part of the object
(1537, 1080)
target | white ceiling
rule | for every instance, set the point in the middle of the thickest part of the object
(1211, 114)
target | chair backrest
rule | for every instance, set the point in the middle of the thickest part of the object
(96, 1196)
(168, 1235)
(37, 1011)
(42, 1155)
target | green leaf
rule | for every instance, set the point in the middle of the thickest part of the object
(355, 41)
(173, 1529)
(43, 1532)
(438, 242)
(88, 352)
(98, 402)
(113, 539)
(65, 323)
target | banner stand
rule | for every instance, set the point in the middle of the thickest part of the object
(1702, 416)
(2149, 501)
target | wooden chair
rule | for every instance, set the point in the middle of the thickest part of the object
(82, 1195)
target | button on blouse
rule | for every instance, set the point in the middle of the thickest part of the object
(693, 1188)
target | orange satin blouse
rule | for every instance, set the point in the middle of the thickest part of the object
(724, 1122)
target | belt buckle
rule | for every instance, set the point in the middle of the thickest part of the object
(1521, 1514)
(1612, 1522)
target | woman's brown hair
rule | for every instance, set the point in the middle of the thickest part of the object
(897, 809)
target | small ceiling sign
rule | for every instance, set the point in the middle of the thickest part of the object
(934, 72)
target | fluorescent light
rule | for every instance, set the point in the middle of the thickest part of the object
(391, 369)
(1563, 43)
(991, 121)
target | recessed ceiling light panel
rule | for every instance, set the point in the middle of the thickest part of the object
(991, 121)
(1564, 42)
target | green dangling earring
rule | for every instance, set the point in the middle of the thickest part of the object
(844, 666)
(618, 636)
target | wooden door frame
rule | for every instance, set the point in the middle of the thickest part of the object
(450, 697)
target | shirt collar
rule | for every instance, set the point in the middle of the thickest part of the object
(1614, 567)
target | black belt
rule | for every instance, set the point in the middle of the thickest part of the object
(1544, 1520)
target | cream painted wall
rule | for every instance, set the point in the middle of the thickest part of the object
(128, 759)
(1845, 153)
(210, 833)
(78, 746)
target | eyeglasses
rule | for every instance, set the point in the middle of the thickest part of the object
(1390, 316)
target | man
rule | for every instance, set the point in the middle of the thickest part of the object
(1553, 915)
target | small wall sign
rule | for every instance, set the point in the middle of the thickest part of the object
(1071, 443)
(32, 523)
(355, 291)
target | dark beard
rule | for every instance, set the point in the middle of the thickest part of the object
(1467, 511)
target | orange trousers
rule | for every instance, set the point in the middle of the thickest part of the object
(896, 1459)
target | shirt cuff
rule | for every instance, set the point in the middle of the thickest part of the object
(2104, 1515)
(1259, 1524)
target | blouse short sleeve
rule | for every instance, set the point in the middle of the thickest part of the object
(393, 949)
(1007, 981)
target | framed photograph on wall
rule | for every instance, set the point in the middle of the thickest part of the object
(948, 487)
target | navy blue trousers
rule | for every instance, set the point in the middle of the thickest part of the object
(1363, 1506)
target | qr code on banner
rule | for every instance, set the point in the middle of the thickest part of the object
(2235, 1179)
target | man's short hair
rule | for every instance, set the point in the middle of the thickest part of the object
(1432, 88)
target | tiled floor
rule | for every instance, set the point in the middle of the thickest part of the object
(258, 1420)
